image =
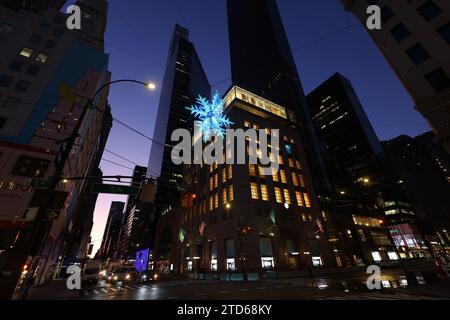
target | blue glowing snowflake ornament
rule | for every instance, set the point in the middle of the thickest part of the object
(211, 116)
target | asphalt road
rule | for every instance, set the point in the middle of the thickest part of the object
(294, 289)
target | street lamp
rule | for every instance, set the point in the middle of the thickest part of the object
(41, 231)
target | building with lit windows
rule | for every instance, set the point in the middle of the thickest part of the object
(414, 38)
(126, 243)
(47, 75)
(184, 80)
(420, 166)
(235, 219)
(354, 226)
(112, 230)
(342, 124)
(262, 63)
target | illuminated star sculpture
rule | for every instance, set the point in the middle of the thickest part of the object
(211, 116)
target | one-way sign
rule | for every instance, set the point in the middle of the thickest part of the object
(115, 189)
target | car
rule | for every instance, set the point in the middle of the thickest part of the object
(124, 275)
(107, 275)
(147, 276)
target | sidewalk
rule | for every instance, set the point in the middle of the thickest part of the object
(437, 290)
(52, 290)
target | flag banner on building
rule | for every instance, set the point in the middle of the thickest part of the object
(318, 226)
(181, 234)
(201, 228)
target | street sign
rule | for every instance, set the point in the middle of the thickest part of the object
(40, 184)
(114, 189)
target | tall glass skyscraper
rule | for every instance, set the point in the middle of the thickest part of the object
(184, 80)
(262, 62)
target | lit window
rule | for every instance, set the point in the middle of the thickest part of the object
(210, 168)
(302, 181)
(307, 202)
(287, 197)
(278, 196)
(224, 196)
(211, 184)
(298, 195)
(26, 52)
(216, 180)
(376, 256)
(291, 163)
(283, 176)
(393, 255)
(261, 171)
(316, 261)
(246, 124)
(264, 193)
(254, 190)
(42, 57)
(294, 179)
(275, 175)
(230, 171)
(251, 169)
(280, 159)
(210, 203)
(299, 167)
(304, 218)
(230, 193)
(224, 175)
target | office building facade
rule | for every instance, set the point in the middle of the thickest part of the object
(47, 75)
(112, 231)
(233, 219)
(414, 38)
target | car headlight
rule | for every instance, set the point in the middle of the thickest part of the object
(116, 277)
(109, 278)
(127, 277)
(145, 277)
(155, 276)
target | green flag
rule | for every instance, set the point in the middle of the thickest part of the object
(182, 234)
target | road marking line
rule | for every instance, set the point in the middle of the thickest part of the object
(200, 294)
(128, 287)
(86, 293)
(172, 298)
(114, 289)
(224, 291)
(104, 290)
(95, 291)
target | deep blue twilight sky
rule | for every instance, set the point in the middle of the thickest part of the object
(137, 39)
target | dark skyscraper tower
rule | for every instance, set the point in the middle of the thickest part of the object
(112, 230)
(342, 123)
(262, 62)
(184, 80)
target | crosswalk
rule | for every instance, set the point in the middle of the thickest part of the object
(136, 286)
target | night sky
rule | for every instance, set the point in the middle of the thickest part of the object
(325, 39)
